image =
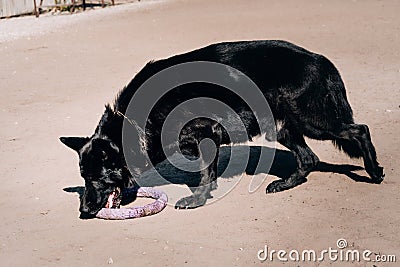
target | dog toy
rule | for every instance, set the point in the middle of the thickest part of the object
(111, 211)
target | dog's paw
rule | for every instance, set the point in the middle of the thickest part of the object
(377, 175)
(282, 185)
(276, 186)
(190, 202)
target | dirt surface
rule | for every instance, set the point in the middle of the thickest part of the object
(55, 83)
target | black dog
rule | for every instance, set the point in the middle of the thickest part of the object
(305, 93)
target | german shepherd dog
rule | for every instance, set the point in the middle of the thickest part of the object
(305, 93)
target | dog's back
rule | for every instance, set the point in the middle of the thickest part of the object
(293, 80)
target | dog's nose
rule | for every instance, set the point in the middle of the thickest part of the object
(84, 209)
(86, 216)
(85, 213)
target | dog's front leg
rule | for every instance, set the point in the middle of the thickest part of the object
(305, 157)
(190, 146)
(207, 183)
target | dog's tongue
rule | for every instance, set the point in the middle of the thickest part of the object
(114, 199)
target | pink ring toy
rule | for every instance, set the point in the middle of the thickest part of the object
(135, 212)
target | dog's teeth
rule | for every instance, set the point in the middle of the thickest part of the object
(110, 201)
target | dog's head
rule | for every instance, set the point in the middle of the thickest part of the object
(101, 165)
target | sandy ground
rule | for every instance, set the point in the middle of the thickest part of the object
(55, 80)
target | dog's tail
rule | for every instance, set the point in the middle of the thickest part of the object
(350, 147)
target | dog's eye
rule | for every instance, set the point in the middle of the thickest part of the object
(104, 155)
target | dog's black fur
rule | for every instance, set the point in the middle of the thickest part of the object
(305, 93)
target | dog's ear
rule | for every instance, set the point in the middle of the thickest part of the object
(76, 143)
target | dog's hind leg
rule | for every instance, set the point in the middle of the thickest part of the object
(355, 140)
(305, 157)
(190, 146)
